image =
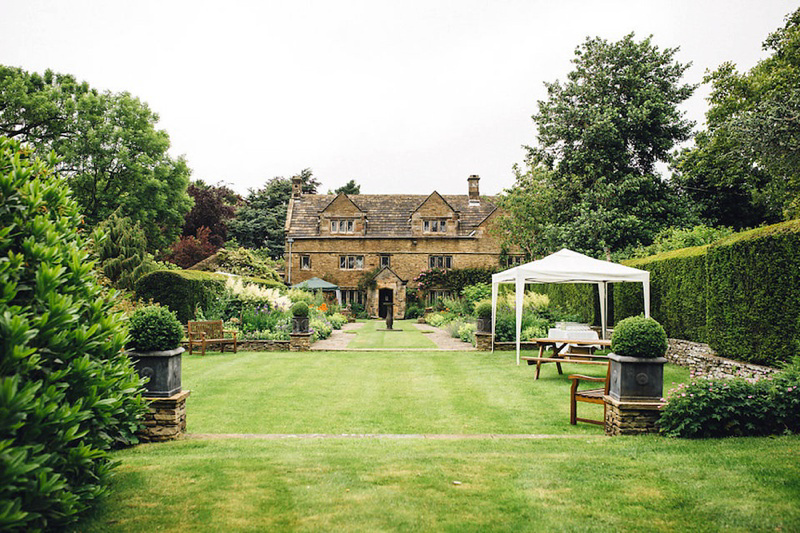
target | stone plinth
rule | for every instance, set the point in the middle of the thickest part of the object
(165, 419)
(483, 342)
(299, 342)
(631, 417)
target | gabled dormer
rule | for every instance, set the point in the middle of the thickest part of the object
(434, 217)
(342, 218)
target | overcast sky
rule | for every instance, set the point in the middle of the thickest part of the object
(402, 96)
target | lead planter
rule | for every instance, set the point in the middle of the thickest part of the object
(299, 324)
(636, 378)
(484, 325)
(162, 367)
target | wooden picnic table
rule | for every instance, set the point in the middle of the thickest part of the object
(582, 352)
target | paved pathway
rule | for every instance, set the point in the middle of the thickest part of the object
(443, 340)
(339, 339)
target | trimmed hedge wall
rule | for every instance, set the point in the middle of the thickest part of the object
(183, 290)
(677, 292)
(754, 294)
(575, 298)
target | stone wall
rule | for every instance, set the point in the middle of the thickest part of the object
(702, 361)
(263, 346)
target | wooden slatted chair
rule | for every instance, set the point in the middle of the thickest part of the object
(587, 396)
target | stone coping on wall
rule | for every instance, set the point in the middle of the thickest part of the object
(703, 361)
(259, 345)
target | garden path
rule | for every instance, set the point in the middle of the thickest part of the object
(443, 340)
(339, 339)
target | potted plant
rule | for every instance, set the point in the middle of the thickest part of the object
(154, 347)
(484, 313)
(638, 346)
(300, 317)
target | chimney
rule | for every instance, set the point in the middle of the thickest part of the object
(474, 192)
(297, 187)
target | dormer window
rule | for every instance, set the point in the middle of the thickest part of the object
(345, 225)
(436, 225)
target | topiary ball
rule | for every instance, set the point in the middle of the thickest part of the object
(637, 336)
(154, 328)
(300, 309)
(483, 310)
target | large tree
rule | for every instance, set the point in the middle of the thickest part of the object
(260, 221)
(351, 187)
(114, 158)
(214, 206)
(749, 158)
(600, 135)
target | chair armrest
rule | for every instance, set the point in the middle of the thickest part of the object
(200, 334)
(231, 331)
(579, 377)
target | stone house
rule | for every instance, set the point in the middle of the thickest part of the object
(390, 239)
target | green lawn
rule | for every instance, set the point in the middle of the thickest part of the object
(594, 484)
(382, 392)
(576, 481)
(410, 337)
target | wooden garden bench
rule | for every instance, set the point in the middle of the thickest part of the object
(587, 396)
(207, 332)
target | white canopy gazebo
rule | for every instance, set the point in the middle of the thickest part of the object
(566, 266)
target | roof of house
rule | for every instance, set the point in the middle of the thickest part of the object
(389, 215)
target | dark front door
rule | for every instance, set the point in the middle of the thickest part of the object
(385, 300)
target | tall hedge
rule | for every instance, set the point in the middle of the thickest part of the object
(677, 292)
(579, 299)
(754, 294)
(183, 290)
(68, 394)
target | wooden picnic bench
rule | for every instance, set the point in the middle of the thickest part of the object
(582, 352)
(203, 333)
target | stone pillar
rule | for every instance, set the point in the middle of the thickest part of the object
(483, 341)
(631, 417)
(299, 342)
(165, 419)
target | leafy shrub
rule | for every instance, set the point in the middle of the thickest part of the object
(637, 336)
(154, 328)
(189, 251)
(261, 318)
(435, 319)
(337, 320)
(300, 295)
(784, 397)
(483, 310)
(466, 332)
(121, 251)
(537, 329)
(183, 291)
(68, 393)
(475, 293)
(241, 262)
(504, 327)
(717, 408)
(414, 312)
(300, 309)
(358, 310)
(320, 328)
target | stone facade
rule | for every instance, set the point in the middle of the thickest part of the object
(165, 419)
(343, 239)
(703, 361)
